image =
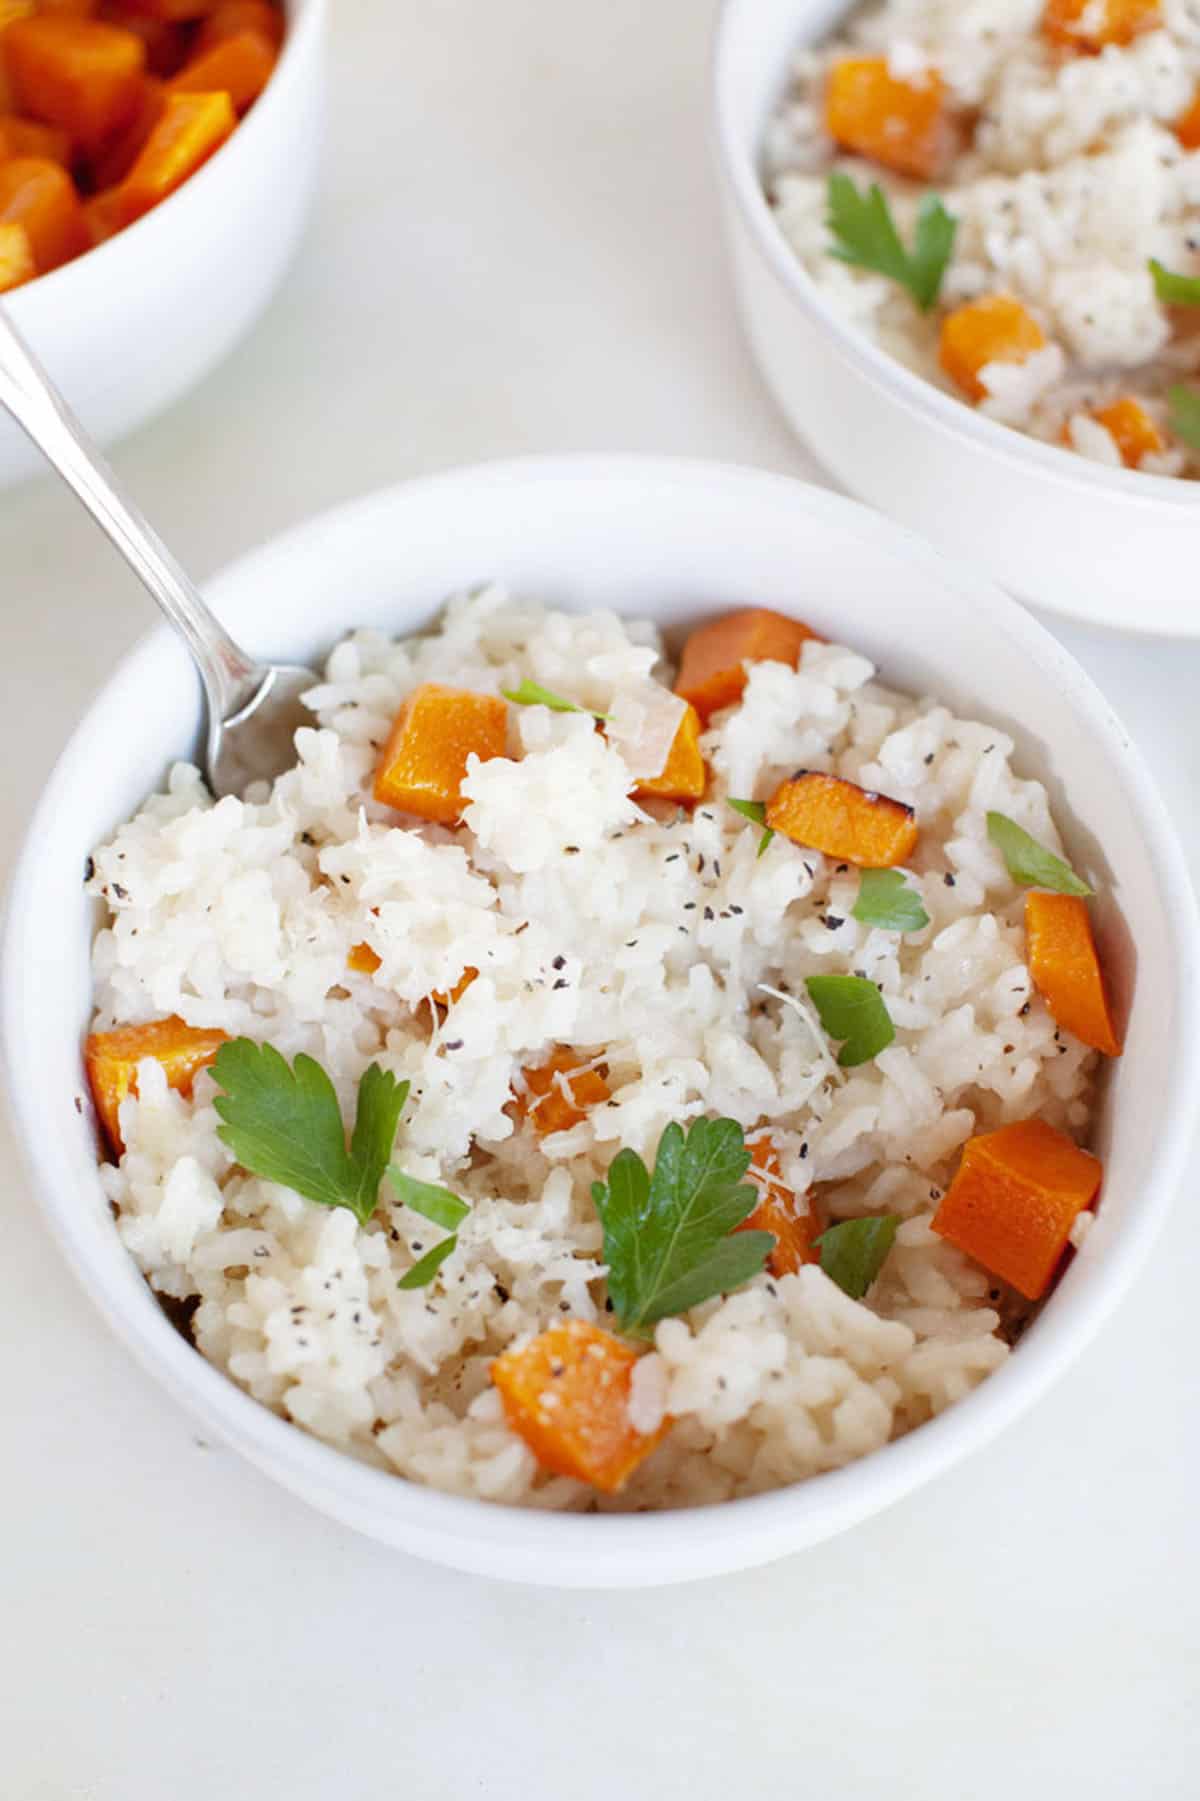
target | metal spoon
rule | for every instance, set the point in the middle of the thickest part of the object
(253, 708)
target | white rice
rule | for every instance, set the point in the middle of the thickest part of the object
(1074, 179)
(682, 958)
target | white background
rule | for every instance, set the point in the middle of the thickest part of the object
(516, 248)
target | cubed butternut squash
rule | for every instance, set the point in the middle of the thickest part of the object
(1087, 26)
(175, 11)
(778, 1213)
(567, 1393)
(424, 761)
(79, 74)
(902, 122)
(1133, 430)
(995, 329)
(1014, 1200)
(191, 129)
(16, 257)
(843, 821)
(684, 776)
(1187, 126)
(111, 1060)
(238, 66)
(363, 960)
(1065, 968)
(167, 44)
(559, 1093)
(444, 1000)
(110, 167)
(28, 137)
(712, 671)
(41, 196)
(233, 16)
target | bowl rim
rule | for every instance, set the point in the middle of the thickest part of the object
(610, 1550)
(305, 19)
(739, 170)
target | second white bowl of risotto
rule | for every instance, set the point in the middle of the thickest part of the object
(965, 244)
(698, 1041)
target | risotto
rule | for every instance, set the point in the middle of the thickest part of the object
(717, 1059)
(1055, 286)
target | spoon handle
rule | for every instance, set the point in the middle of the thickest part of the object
(230, 676)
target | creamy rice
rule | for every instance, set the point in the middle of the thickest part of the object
(654, 939)
(1072, 180)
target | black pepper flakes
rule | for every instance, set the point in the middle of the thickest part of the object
(561, 983)
(948, 879)
(708, 913)
(559, 963)
(89, 869)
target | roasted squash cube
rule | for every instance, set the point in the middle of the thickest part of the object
(28, 137)
(79, 74)
(684, 775)
(422, 766)
(110, 167)
(903, 123)
(1187, 126)
(1014, 1200)
(191, 128)
(239, 66)
(40, 196)
(996, 329)
(711, 672)
(566, 1393)
(1066, 970)
(843, 821)
(794, 1232)
(233, 16)
(167, 44)
(1086, 26)
(16, 257)
(1133, 430)
(559, 1092)
(363, 960)
(112, 1058)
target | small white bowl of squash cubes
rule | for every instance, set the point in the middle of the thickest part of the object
(156, 164)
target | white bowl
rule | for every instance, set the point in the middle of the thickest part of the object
(675, 540)
(1109, 546)
(130, 326)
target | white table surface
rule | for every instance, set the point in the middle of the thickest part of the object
(516, 249)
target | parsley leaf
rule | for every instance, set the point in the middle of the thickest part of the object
(435, 1204)
(284, 1124)
(1184, 417)
(885, 899)
(757, 811)
(1029, 862)
(1176, 290)
(854, 1252)
(851, 1009)
(669, 1239)
(532, 694)
(865, 235)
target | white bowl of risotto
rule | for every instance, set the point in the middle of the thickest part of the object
(905, 1035)
(1017, 376)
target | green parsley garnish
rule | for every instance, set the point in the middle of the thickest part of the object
(1176, 290)
(757, 811)
(669, 1239)
(1184, 417)
(853, 1253)
(851, 1010)
(1029, 862)
(285, 1125)
(440, 1207)
(865, 235)
(532, 694)
(885, 899)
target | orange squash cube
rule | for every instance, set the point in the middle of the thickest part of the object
(843, 821)
(711, 673)
(559, 1092)
(114, 162)
(1086, 26)
(363, 960)
(41, 196)
(1187, 126)
(996, 329)
(233, 16)
(239, 66)
(111, 1060)
(175, 11)
(1134, 431)
(78, 74)
(167, 45)
(104, 215)
(1014, 1200)
(422, 766)
(28, 137)
(904, 124)
(684, 776)
(1065, 968)
(776, 1213)
(566, 1393)
(191, 129)
(444, 1001)
(16, 257)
